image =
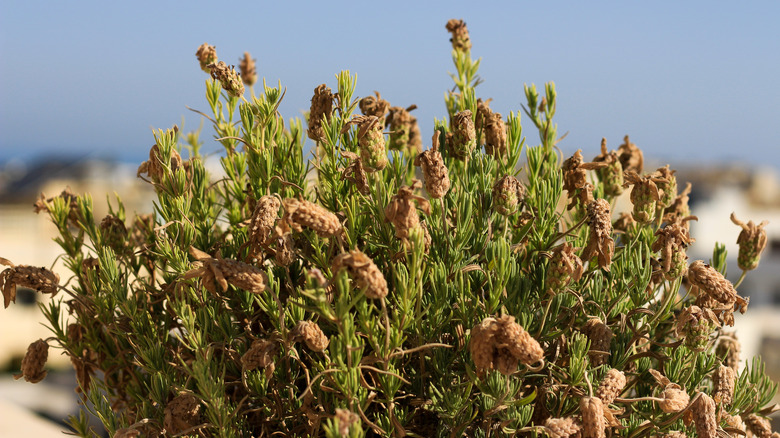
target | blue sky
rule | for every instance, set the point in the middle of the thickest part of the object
(689, 81)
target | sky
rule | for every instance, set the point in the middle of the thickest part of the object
(690, 82)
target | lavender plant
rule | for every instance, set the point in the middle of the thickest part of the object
(336, 297)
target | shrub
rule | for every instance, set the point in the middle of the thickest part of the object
(335, 297)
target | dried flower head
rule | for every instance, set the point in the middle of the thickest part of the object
(206, 55)
(667, 186)
(679, 207)
(723, 380)
(695, 325)
(728, 348)
(248, 68)
(345, 419)
(501, 344)
(703, 410)
(284, 254)
(715, 291)
(40, 279)
(68, 197)
(483, 114)
(600, 242)
(114, 233)
(156, 168)
(356, 173)
(495, 135)
(402, 211)
(374, 106)
(310, 333)
(508, 193)
(216, 273)
(752, 241)
(34, 362)
(362, 270)
(460, 35)
(630, 156)
(404, 131)
(673, 397)
(228, 78)
(437, 180)
(673, 240)
(562, 427)
(611, 386)
(464, 136)
(302, 213)
(261, 354)
(564, 267)
(644, 196)
(575, 179)
(759, 426)
(321, 110)
(593, 421)
(262, 223)
(600, 336)
(182, 413)
(371, 141)
(611, 175)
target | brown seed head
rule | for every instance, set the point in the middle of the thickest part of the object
(672, 240)
(374, 106)
(564, 267)
(262, 222)
(40, 279)
(483, 114)
(216, 273)
(704, 416)
(495, 135)
(302, 213)
(460, 35)
(114, 232)
(356, 173)
(70, 199)
(346, 419)
(402, 211)
(715, 291)
(248, 69)
(575, 179)
(435, 174)
(611, 175)
(630, 156)
(362, 270)
(310, 333)
(696, 324)
(600, 242)
(611, 386)
(404, 130)
(752, 241)
(260, 354)
(562, 427)
(182, 413)
(519, 342)
(320, 111)
(206, 55)
(464, 135)
(593, 422)
(674, 399)
(644, 195)
(759, 426)
(667, 186)
(600, 336)
(156, 168)
(501, 344)
(508, 193)
(227, 76)
(729, 348)
(34, 362)
(371, 141)
(723, 385)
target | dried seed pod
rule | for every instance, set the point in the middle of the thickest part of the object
(216, 273)
(261, 354)
(495, 135)
(508, 193)
(460, 35)
(302, 213)
(345, 419)
(666, 183)
(593, 422)
(715, 291)
(734, 421)
(759, 426)
(575, 179)
(564, 267)
(248, 68)
(729, 348)
(362, 270)
(285, 249)
(34, 362)
(402, 212)
(679, 207)
(501, 344)
(402, 125)
(562, 427)
(321, 110)
(310, 333)
(600, 242)
(644, 196)
(114, 233)
(40, 279)
(261, 224)
(435, 174)
(611, 175)
(182, 413)
(704, 416)
(69, 198)
(518, 341)
(356, 173)
(752, 241)
(206, 55)
(600, 336)
(611, 386)
(672, 240)
(371, 141)
(374, 106)
(228, 78)
(156, 168)
(674, 398)
(483, 114)
(695, 325)
(464, 135)
(723, 385)
(630, 156)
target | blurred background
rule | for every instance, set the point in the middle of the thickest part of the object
(84, 83)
